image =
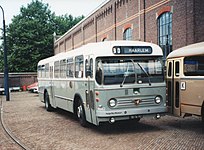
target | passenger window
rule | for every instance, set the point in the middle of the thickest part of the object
(51, 71)
(47, 70)
(63, 68)
(170, 69)
(177, 69)
(79, 66)
(70, 67)
(39, 71)
(56, 69)
(194, 66)
(43, 71)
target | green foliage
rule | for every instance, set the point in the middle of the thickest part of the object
(64, 22)
(30, 35)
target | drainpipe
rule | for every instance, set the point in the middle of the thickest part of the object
(115, 21)
(144, 21)
(139, 21)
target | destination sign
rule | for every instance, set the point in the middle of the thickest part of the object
(132, 50)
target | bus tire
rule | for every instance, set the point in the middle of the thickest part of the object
(137, 119)
(48, 107)
(81, 114)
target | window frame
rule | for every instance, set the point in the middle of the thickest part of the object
(164, 26)
(127, 34)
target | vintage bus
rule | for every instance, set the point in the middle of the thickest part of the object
(185, 81)
(105, 82)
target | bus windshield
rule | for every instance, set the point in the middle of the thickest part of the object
(129, 70)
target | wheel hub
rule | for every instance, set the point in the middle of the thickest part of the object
(79, 111)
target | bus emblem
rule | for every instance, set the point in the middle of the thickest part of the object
(137, 101)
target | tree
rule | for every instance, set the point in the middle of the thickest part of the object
(30, 35)
(64, 22)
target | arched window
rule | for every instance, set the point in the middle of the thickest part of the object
(104, 39)
(165, 32)
(127, 35)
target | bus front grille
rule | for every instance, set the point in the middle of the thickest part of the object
(135, 102)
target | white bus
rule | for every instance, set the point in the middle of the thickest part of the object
(105, 81)
(185, 81)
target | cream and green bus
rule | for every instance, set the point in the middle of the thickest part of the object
(185, 81)
(105, 82)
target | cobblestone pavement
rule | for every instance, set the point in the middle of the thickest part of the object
(38, 129)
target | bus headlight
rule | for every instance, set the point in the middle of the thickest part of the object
(112, 102)
(158, 99)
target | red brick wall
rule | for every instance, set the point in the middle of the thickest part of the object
(199, 21)
(19, 79)
(89, 31)
(105, 22)
(112, 18)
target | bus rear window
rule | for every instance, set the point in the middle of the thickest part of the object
(194, 66)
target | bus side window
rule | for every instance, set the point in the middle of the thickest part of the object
(63, 66)
(70, 67)
(79, 67)
(51, 71)
(56, 69)
(47, 70)
(170, 69)
(177, 69)
(43, 71)
(39, 71)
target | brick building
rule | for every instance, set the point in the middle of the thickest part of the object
(168, 23)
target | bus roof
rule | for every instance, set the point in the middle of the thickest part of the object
(102, 49)
(190, 50)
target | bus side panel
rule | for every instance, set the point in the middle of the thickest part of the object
(192, 96)
(40, 90)
(44, 86)
(69, 93)
(58, 91)
(64, 93)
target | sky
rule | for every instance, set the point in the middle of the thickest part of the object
(60, 7)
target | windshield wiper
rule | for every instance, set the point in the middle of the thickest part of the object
(126, 74)
(145, 73)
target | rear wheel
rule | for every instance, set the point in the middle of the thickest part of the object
(137, 119)
(48, 107)
(81, 114)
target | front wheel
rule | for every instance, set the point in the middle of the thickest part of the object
(137, 119)
(81, 114)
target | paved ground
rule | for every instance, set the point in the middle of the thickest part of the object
(38, 129)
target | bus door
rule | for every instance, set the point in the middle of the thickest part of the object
(89, 91)
(51, 84)
(173, 87)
